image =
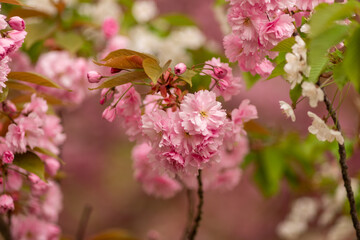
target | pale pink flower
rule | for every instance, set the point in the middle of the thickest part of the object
(52, 203)
(233, 47)
(6, 203)
(52, 166)
(264, 68)
(244, 113)
(109, 113)
(18, 37)
(156, 126)
(201, 113)
(311, 4)
(37, 105)
(4, 71)
(277, 30)
(161, 186)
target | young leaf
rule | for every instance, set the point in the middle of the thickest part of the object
(124, 62)
(127, 52)
(4, 94)
(325, 15)
(15, 2)
(152, 69)
(278, 70)
(26, 13)
(351, 59)
(340, 76)
(284, 45)
(19, 86)
(319, 47)
(69, 41)
(295, 94)
(33, 78)
(113, 235)
(187, 76)
(122, 79)
(48, 153)
(250, 79)
(31, 163)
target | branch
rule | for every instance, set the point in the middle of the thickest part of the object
(191, 208)
(85, 216)
(344, 167)
(5, 229)
(197, 220)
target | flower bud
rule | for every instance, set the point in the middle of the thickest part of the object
(6, 203)
(109, 113)
(220, 72)
(180, 68)
(9, 107)
(8, 157)
(17, 23)
(93, 77)
(115, 70)
(110, 27)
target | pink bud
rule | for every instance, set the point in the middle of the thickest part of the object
(110, 27)
(180, 68)
(9, 106)
(220, 72)
(6, 203)
(17, 23)
(115, 70)
(102, 100)
(8, 157)
(93, 77)
(109, 113)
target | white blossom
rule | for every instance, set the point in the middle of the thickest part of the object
(314, 93)
(305, 28)
(296, 63)
(288, 110)
(144, 11)
(322, 131)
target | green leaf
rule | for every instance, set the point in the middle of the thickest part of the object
(319, 46)
(48, 153)
(31, 163)
(69, 41)
(19, 86)
(38, 31)
(325, 15)
(178, 20)
(351, 59)
(278, 70)
(295, 94)
(250, 79)
(4, 94)
(152, 69)
(127, 52)
(220, 2)
(339, 75)
(33, 78)
(122, 79)
(284, 45)
(187, 76)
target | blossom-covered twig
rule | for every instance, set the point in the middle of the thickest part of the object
(344, 167)
(197, 220)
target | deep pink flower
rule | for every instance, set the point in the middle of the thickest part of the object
(110, 27)
(8, 157)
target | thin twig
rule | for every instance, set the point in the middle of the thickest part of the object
(190, 202)
(344, 168)
(197, 220)
(5, 229)
(85, 216)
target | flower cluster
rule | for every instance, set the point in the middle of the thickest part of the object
(258, 26)
(179, 133)
(11, 39)
(31, 128)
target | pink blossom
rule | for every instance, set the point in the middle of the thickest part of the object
(52, 166)
(6, 203)
(156, 126)
(277, 30)
(264, 68)
(220, 72)
(18, 37)
(4, 71)
(201, 113)
(3, 23)
(17, 23)
(7, 157)
(37, 105)
(24, 226)
(110, 27)
(244, 113)
(109, 113)
(310, 4)
(52, 204)
(233, 47)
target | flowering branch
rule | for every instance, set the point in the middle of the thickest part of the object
(199, 208)
(344, 167)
